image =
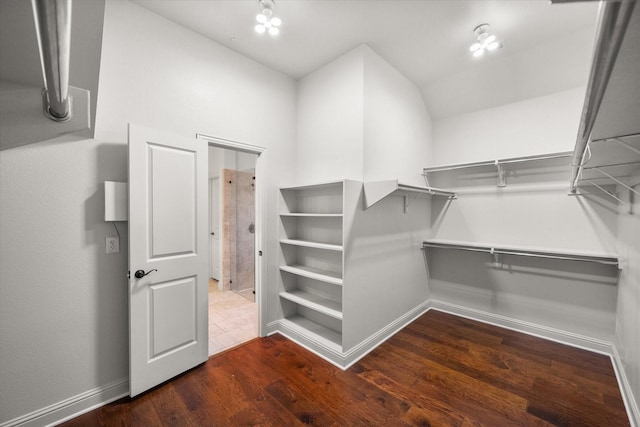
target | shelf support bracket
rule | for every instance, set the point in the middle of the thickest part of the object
(502, 174)
(617, 181)
(625, 144)
(497, 258)
(611, 194)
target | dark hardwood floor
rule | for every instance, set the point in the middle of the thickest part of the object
(441, 370)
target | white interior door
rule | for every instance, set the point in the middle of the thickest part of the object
(216, 218)
(168, 224)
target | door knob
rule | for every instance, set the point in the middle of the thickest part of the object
(140, 273)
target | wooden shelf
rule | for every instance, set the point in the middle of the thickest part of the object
(314, 331)
(315, 245)
(565, 254)
(314, 273)
(375, 191)
(315, 302)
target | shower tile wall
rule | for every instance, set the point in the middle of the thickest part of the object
(238, 243)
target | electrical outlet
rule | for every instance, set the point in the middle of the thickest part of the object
(113, 245)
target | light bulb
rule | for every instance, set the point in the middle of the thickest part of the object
(493, 46)
(267, 12)
(474, 47)
(261, 18)
(274, 31)
(276, 22)
(260, 28)
(478, 53)
(490, 39)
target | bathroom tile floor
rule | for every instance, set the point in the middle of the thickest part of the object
(233, 319)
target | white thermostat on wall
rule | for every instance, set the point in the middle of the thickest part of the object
(115, 201)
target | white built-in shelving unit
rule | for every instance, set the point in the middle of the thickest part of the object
(312, 262)
(350, 276)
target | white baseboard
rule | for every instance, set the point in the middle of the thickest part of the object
(359, 351)
(344, 360)
(625, 388)
(552, 334)
(73, 406)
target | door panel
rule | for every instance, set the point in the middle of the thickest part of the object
(173, 229)
(173, 310)
(168, 222)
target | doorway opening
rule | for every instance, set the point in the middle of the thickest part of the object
(234, 236)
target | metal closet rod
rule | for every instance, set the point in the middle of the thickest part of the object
(495, 162)
(612, 25)
(53, 28)
(425, 190)
(629, 135)
(535, 254)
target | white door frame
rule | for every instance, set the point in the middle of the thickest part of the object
(260, 235)
(214, 226)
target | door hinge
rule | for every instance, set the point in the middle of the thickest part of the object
(129, 274)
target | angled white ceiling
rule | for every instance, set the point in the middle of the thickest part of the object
(427, 40)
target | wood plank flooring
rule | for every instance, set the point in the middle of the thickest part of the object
(441, 370)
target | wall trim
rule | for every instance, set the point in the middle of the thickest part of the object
(558, 335)
(73, 406)
(625, 388)
(344, 360)
(369, 344)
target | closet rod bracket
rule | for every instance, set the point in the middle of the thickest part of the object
(502, 174)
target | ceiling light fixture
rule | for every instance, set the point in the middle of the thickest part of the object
(266, 21)
(485, 41)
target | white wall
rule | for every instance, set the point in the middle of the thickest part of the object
(63, 302)
(627, 339)
(330, 119)
(385, 275)
(359, 118)
(502, 77)
(539, 125)
(534, 210)
(63, 305)
(397, 126)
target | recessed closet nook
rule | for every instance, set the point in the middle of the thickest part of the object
(496, 219)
